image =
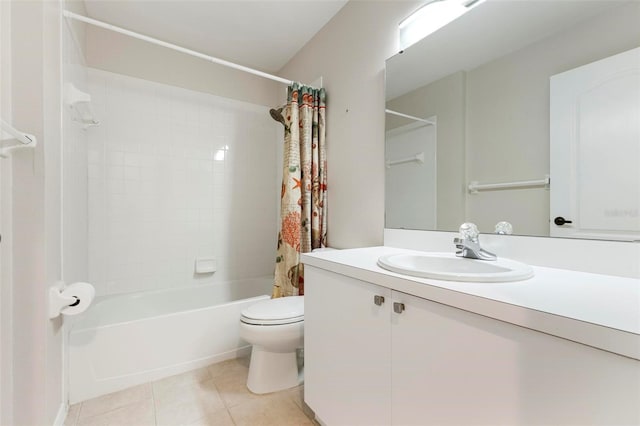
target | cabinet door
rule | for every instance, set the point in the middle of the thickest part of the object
(347, 350)
(439, 368)
(453, 367)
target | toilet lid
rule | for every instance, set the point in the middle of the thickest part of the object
(283, 310)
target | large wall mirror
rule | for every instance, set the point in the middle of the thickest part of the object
(520, 111)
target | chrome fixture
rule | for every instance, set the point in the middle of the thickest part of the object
(276, 114)
(468, 244)
(504, 228)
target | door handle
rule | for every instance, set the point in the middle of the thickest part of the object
(378, 300)
(561, 221)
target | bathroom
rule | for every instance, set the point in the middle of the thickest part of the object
(63, 202)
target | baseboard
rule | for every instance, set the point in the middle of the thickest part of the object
(62, 415)
(319, 421)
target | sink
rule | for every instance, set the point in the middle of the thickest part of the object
(449, 267)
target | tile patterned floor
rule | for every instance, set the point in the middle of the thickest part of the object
(214, 395)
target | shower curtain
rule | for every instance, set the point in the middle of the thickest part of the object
(303, 205)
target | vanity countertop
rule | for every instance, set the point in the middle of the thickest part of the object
(602, 311)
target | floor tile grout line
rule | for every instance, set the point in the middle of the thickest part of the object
(116, 408)
(153, 400)
(231, 417)
(78, 414)
(74, 421)
(77, 420)
(233, 420)
(224, 402)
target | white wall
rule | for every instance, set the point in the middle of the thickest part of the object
(36, 240)
(52, 140)
(6, 315)
(175, 175)
(110, 51)
(5, 60)
(349, 53)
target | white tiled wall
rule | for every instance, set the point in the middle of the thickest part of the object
(175, 175)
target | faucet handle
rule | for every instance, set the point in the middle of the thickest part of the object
(469, 231)
(504, 228)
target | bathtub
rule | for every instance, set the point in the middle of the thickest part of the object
(130, 339)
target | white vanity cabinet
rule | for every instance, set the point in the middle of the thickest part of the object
(347, 350)
(433, 364)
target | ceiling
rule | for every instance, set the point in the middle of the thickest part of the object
(262, 34)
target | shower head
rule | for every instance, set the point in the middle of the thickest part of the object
(276, 114)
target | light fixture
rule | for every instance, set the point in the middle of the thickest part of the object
(432, 16)
(221, 153)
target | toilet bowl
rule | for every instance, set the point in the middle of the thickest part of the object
(275, 328)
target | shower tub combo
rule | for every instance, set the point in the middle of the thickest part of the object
(130, 339)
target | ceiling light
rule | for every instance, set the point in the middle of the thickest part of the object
(431, 17)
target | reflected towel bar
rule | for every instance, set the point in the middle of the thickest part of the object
(418, 158)
(474, 186)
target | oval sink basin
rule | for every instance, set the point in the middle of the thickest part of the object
(449, 267)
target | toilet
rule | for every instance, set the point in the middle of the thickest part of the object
(275, 328)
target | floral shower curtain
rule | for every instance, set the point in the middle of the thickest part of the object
(303, 197)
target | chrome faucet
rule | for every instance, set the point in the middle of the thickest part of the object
(468, 244)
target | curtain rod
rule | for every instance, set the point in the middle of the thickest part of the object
(219, 61)
(411, 117)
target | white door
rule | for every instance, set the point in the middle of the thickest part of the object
(410, 187)
(347, 351)
(595, 150)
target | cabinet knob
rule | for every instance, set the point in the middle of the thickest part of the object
(378, 300)
(398, 307)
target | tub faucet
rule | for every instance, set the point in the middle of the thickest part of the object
(468, 244)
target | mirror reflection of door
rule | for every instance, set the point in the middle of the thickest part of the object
(595, 149)
(410, 186)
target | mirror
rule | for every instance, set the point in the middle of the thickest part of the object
(471, 103)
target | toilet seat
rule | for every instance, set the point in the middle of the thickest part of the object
(280, 311)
